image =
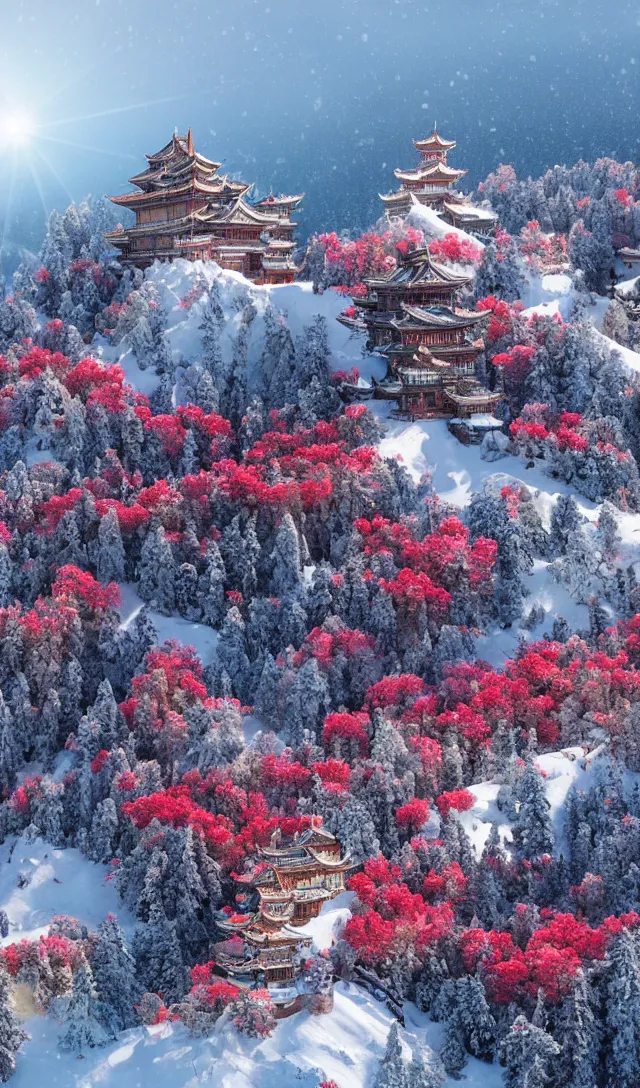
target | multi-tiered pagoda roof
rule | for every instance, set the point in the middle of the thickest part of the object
(416, 280)
(432, 183)
(283, 889)
(185, 208)
(430, 344)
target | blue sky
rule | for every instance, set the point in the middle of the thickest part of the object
(320, 97)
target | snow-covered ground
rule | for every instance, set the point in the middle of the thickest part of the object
(202, 638)
(561, 770)
(433, 226)
(345, 1044)
(548, 294)
(53, 882)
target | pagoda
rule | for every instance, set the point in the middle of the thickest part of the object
(431, 183)
(284, 889)
(185, 208)
(417, 280)
(430, 345)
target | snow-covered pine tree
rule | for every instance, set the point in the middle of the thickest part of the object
(157, 571)
(12, 1036)
(114, 974)
(527, 1053)
(622, 1012)
(392, 1071)
(83, 1029)
(532, 830)
(579, 1034)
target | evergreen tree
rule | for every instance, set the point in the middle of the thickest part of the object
(11, 1034)
(578, 1032)
(83, 1029)
(115, 977)
(111, 555)
(532, 831)
(157, 571)
(422, 1073)
(104, 828)
(622, 1012)
(392, 1072)
(159, 964)
(526, 1052)
(287, 566)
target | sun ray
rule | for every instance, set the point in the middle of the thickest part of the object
(12, 178)
(85, 147)
(36, 182)
(55, 173)
(116, 110)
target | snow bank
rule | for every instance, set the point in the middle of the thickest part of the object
(561, 770)
(628, 287)
(202, 638)
(548, 294)
(55, 882)
(433, 226)
(344, 1045)
(630, 359)
(328, 926)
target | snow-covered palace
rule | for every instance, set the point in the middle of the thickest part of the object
(185, 208)
(432, 183)
(285, 888)
(430, 346)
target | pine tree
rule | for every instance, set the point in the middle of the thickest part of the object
(453, 1054)
(83, 1029)
(392, 1072)
(278, 365)
(159, 964)
(110, 562)
(157, 571)
(526, 1052)
(422, 1073)
(104, 827)
(211, 329)
(532, 831)
(475, 1018)
(115, 977)
(287, 567)
(11, 1034)
(579, 1034)
(499, 275)
(622, 1012)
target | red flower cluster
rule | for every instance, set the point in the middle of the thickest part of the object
(455, 248)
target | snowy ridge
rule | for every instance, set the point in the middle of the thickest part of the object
(422, 446)
(344, 1045)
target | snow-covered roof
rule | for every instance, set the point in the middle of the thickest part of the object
(469, 211)
(482, 420)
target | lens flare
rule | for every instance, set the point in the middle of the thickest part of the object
(16, 129)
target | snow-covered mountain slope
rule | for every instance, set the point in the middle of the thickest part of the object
(432, 226)
(457, 470)
(39, 882)
(561, 770)
(344, 1045)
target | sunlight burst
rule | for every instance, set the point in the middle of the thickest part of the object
(16, 129)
